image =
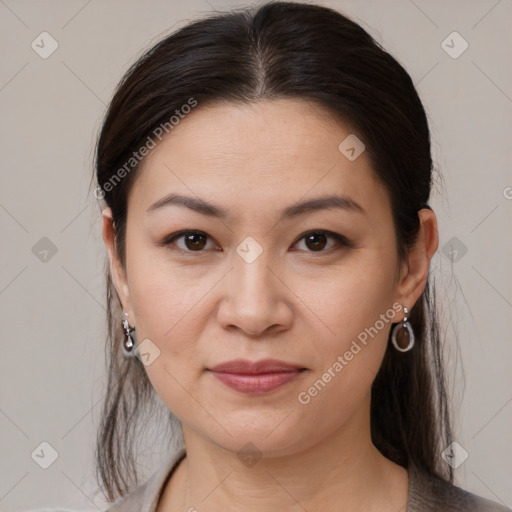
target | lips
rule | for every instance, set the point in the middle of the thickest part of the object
(256, 377)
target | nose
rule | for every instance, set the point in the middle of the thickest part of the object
(255, 299)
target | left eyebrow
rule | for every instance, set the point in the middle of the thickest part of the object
(205, 208)
(322, 203)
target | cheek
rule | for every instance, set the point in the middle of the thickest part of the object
(351, 298)
(355, 313)
(172, 306)
(165, 311)
(164, 296)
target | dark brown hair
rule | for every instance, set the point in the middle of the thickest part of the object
(282, 50)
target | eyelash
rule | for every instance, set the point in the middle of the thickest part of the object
(341, 240)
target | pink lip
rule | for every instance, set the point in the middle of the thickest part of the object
(256, 384)
(255, 378)
(245, 367)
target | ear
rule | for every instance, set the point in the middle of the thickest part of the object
(414, 272)
(116, 269)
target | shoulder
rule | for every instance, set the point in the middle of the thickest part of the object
(428, 493)
(144, 498)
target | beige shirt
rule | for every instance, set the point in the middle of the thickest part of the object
(426, 494)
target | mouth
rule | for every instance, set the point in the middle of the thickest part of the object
(256, 377)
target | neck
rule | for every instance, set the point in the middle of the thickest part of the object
(343, 472)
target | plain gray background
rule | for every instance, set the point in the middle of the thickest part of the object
(52, 306)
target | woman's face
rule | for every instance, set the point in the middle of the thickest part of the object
(251, 284)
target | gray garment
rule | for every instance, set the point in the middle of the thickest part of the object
(426, 494)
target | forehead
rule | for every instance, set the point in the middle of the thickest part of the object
(265, 153)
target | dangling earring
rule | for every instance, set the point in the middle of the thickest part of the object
(130, 339)
(402, 336)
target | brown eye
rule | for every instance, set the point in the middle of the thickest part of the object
(318, 241)
(193, 241)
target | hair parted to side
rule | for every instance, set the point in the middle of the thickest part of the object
(282, 50)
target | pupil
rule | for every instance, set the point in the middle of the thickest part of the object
(315, 236)
(193, 238)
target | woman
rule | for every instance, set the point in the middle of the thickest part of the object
(266, 176)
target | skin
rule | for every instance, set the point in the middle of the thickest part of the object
(297, 302)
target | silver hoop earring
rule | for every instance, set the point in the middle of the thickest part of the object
(130, 338)
(402, 336)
